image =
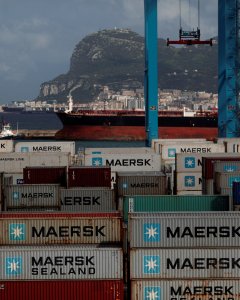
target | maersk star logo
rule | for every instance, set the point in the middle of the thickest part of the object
(151, 264)
(97, 161)
(15, 195)
(24, 149)
(190, 162)
(151, 232)
(171, 152)
(17, 232)
(152, 293)
(189, 181)
(13, 265)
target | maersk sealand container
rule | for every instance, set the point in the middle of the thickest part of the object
(165, 203)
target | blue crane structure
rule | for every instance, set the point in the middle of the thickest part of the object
(228, 69)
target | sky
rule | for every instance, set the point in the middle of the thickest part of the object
(37, 37)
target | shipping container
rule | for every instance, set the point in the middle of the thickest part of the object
(88, 200)
(184, 263)
(46, 147)
(117, 150)
(45, 175)
(236, 193)
(6, 146)
(208, 186)
(60, 262)
(15, 162)
(232, 145)
(210, 289)
(169, 151)
(224, 180)
(31, 195)
(208, 163)
(193, 193)
(62, 290)
(60, 228)
(89, 177)
(188, 181)
(174, 203)
(126, 162)
(226, 166)
(184, 230)
(141, 183)
(13, 178)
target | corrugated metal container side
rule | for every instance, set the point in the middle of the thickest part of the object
(184, 263)
(62, 290)
(208, 186)
(236, 193)
(174, 203)
(15, 162)
(141, 183)
(6, 146)
(194, 193)
(45, 175)
(46, 147)
(188, 181)
(88, 200)
(208, 163)
(224, 180)
(169, 151)
(232, 145)
(128, 150)
(226, 166)
(13, 178)
(39, 195)
(126, 162)
(60, 262)
(183, 230)
(60, 228)
(89, 177)
(185, 289)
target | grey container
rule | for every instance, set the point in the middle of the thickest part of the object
(88, 200)
(224, 180)
(141, 183)
(52, 228)
(185, 263)
(185, 289)
(31, 195)
(61, 263)
(184, 230)
(226, 166)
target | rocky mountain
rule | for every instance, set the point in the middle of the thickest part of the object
(116, 58)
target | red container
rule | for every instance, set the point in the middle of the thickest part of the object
(208, 163)
(89, 177)
(45, 175)
(62, 290)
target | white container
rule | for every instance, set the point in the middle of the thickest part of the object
(184, 230)
(133, 150)
(15, 162)
(194, 193)
(208, 186)
(184, 263)
(60, 262)
(46, 147)
(13, 178)
(189, 181)
(6, 146)
(125, 162)
(232, 145)
(185, 289)
(169, 151)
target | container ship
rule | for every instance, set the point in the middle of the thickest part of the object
(125, 125)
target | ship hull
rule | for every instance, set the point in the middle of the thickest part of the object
(131, 133)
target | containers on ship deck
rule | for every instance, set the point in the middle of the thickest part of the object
(62, 290)
(174, 203)
(89, 177)
(88, 199)
(141, 183)
(179, 289)
(60, 228)
(45, 175)
(184, 230)
(224, 180)
(184, 263)
(31, 196)
(60, 262)
(46, 147)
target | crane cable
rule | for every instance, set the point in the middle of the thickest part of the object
(189, 13)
